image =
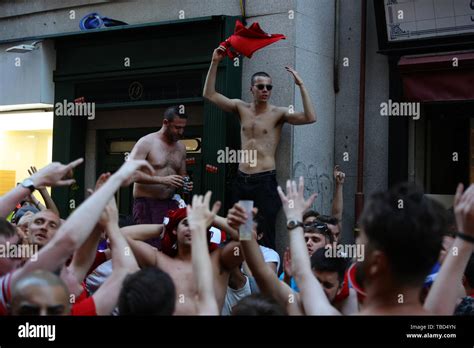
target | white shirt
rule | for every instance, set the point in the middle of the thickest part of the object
(270, 255)
(233, 296)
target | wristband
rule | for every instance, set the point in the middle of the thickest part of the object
(465, 237)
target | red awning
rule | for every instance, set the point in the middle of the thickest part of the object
(430, 78)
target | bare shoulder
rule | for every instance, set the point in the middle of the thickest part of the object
(146, 141)
(181, 147)
(240, 102)
(280, 112)
(280, 109)
(242, 105)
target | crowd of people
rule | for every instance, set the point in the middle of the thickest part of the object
(413, 256)
(414, 261)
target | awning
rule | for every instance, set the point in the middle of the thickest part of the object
(441, 77)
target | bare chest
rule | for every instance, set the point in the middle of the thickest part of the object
(263, 125)
(163, 156)
(182, 275)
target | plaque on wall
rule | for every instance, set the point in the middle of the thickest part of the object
(411, 23)
(419, 19)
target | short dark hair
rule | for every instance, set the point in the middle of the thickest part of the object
(328, 219)
(322, 263)
(260, 73)
(6, 229)
(22, 211)
(326, 233)
(174, 111)
(469, 272)
(408, 227)
(309, 213)
(262, 226)
(258, 304)
(149, 291)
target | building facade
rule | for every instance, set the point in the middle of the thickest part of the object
(132, 73)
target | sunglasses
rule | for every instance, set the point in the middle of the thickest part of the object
(262, 86)
(315, 225)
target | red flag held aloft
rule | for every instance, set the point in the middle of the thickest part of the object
(246, 41)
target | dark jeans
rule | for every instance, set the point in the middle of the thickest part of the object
(261, 189)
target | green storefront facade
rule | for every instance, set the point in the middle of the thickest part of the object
(139, 67)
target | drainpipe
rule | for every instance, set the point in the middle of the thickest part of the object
(359, 196)
(336, 47)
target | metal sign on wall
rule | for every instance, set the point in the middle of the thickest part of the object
(422, 19)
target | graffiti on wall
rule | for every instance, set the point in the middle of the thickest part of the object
(315, 181)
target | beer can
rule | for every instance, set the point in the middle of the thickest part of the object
(186, 179)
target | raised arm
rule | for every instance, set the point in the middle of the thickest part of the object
(45, 194)
(84, 257)
(145, 254)
(315, 301)
(443, 294)
(123, 263)
(200, 218)
(267, 280)
(308, 115)
(143, 232)
(337, 202)
(52, 175)
(222, 102)
(77, 228)
(221, 222)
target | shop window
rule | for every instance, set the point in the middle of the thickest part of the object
(25, 140)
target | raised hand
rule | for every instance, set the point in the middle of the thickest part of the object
(101, 180)
(55, 174)
(32, 170)
(294, 204)
(218, 54)
(296, 76)
(339, 175)
(199, 214)
(236, 216)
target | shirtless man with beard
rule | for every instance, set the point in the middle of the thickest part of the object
(153, 194)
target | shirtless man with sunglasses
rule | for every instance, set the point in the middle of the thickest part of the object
(261, 125)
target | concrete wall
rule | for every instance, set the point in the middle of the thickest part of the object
(347, 109)
(314, 144)
(27, 77)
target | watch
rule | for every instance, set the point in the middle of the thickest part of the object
(28, 183)
(292, 224)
